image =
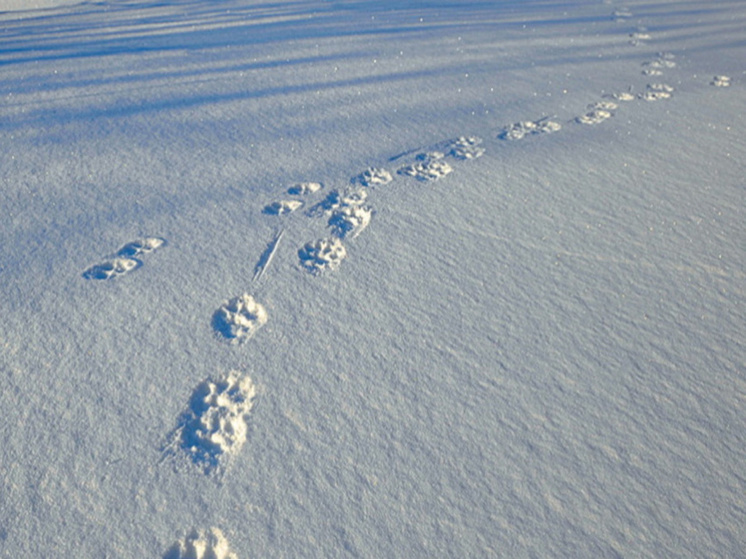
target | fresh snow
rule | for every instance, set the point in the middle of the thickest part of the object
(485, 259)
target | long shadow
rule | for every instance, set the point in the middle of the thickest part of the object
(147, 28)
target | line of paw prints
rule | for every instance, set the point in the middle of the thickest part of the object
(125, 260)
(346, 211)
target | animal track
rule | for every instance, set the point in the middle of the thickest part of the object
(466, 148)
(623, 96)
(657, 92)
(639, 38)
(520, 130)
(350, 221)
(208, 544)
(373, 176)
(141, 246)
(282, 207)
(595, 116)
(598, 113)
(124, 261)
(305, 188)
(338, 199)
(239, 319)
(111, 269)
(214, 428)
(322, 255)
(430, 167)
(720, 81)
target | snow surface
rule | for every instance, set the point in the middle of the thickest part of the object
(540, 353)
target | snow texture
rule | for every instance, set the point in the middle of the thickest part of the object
(536, 349)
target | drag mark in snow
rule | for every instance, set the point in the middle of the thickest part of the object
(266, 258)
(214, 427)
(205, 544)
(322, 255)
(239, 319)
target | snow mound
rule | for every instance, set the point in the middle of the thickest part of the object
(238, 319)
(206, 544)
(322, 255)
(214, 426)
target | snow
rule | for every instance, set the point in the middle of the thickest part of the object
(512, 343)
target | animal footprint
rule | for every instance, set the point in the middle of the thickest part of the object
(305, 188)
(213, 428)
(639, 38)
(111, 269)
(720, 81)
(350, 221)
(322, 255)
(282, 207)
(141, 246)
(373, 176)
(623, 96)
(208, 544)
(466, 148)
(621, 14)
(520, 130)
(239, 319)
(124, 260)
(430, 167)
(657, 92)
(337, 199)
(598, 113)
